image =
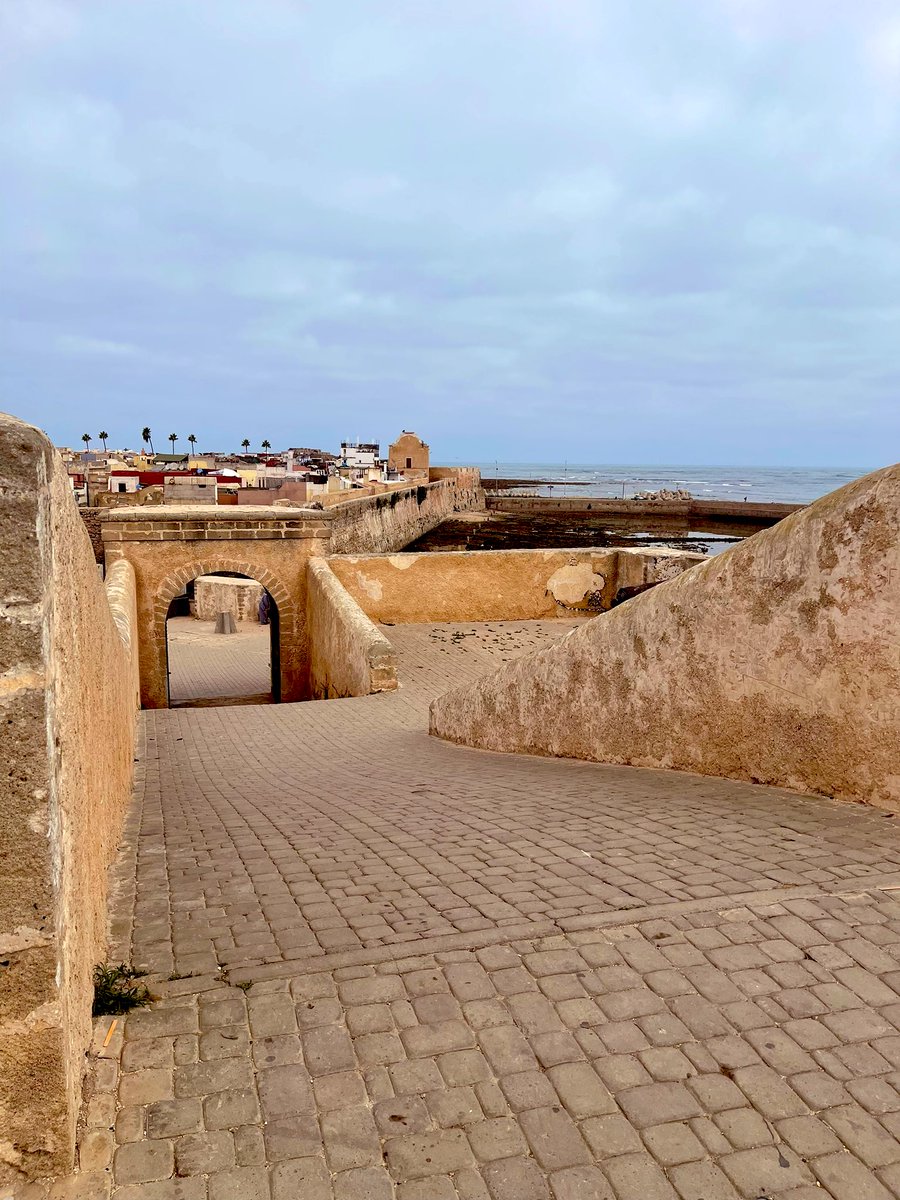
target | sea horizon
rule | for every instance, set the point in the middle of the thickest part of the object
(787, 485)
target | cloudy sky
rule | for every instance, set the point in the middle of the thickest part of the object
(602, 230)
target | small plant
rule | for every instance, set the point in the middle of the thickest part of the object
(115, 990)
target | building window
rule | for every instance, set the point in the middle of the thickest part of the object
(408, 463)
(123, 487)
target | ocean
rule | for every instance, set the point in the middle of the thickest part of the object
(788, 485)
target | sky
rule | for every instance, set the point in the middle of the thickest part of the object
(530, 230)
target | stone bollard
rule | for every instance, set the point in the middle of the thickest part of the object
(225, 623)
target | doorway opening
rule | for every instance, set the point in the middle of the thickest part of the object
(222, 643)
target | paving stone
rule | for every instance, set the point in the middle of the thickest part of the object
(204, 1153)
(225, 1110)
(657, 1103)
(168, 1118)
(499, 1137)
(301, 1177)
(673, 1143)
(363, 1184)
(516, 1179)
(419, 1155)
(419, 1076)
(637, 1177)
(610, 1135)
(764, 1170)
(454, 1106)
(292, 1137)
(846, 1178)
(580, 1183)
(769, 1093)
(581, 1090)
(425, 1040)
(351, 1139)
(621, 1071)
(666, 1064)
(142, 1162)
(863, 1135)
(745, 1128)
(439, 1187)
(702, 1181)
(808, 1136)
(528, 1089)
(554, 1138)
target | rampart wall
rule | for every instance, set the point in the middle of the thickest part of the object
(775, 662)
(69, 695)
(348, 655)
(499, 585)
(388, 522)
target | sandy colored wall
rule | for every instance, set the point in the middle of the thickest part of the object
(775, 662)
(214, 594)
(349, 656)
(498, 585)
(68, 695)
(381, 524)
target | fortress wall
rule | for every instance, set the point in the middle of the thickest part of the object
(68, 685)
(348, 655)
(776, 662)
(388, 522)
(499, 585)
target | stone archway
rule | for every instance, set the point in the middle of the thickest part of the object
(176, 582)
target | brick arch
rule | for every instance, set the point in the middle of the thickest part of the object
(175, 583)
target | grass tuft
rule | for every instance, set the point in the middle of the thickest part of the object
(116, 992)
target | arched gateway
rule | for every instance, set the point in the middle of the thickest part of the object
(168, 547)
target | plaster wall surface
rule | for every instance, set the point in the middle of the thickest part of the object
(349, 656)
(775, 662)
(216, 593)
(68, 691)
(488, 585)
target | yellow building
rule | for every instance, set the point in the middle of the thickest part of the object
(409, 456)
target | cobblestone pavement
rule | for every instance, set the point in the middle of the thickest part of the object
(395, 969)
(207, 665)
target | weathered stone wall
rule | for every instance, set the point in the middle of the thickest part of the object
(214, 594)
(91, 518)
(69, 697)
(499, 585)
(775, 662)
(381, 524)
(349, 656)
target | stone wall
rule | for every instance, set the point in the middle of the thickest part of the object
(91, 518)
(776, 662)
(499, 585)
(349, 656)
(391, 521)
(214, 594)
(69, 698)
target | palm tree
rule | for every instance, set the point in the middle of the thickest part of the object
(246, 444)
(173, 438)
(192, 438)
(266, 445)
(86, 438)
(145, 437)
(103, 435)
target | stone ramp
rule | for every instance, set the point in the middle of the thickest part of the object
(775, 662)
(392, 968)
